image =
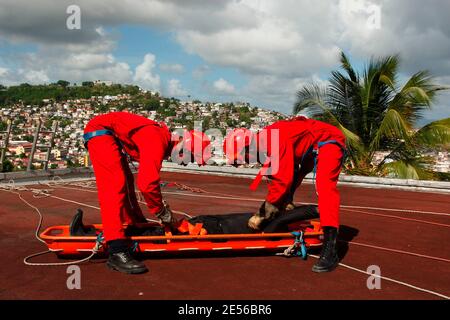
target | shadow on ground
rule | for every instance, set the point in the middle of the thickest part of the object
(346, 234)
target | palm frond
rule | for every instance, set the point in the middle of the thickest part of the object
(415, 96)
(402, 170)
(310, 100)
(393, 126)
(310, 97)
(346, 65)
(377, 91)
(352, 139)
(434, 134)
(388, 66)
(407, 170)
(375, 113)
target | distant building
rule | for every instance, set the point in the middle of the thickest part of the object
(19, 147)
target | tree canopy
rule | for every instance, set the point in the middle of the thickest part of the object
(377, 113)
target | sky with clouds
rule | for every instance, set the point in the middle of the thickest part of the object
(260, 51)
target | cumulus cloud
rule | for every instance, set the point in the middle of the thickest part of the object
(38, 76)
(3, 71)
(72, 61)
(275, 45)
(171, 68)
(201, 71)
(174, 88)
(144, 75)
(47, 65)
(419, 33)
(293, 37)
(223, 87)
(35, 76)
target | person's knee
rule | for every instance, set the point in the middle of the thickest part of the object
(116, 183)
(326, 182)
(147, 184)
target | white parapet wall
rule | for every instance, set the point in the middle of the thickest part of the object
(24, 177)
(366, 182)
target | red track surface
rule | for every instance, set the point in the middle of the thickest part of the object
(249, 277)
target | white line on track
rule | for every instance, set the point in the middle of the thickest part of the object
(397, 251)
(397, 217)
(342, 206)
(351, 242)
(341, 264)
(390, 280)
(231, 197)
(75, 202)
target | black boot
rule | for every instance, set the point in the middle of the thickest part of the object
(328, 257)
(120, 258)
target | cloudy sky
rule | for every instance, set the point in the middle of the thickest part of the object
(260, 51)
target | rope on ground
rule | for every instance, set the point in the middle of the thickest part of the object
(42, 193)
(212, 194)
(352, 242)
(39, 193)
(58, 182)
(90, 184)
(220, 195)
(184, 187)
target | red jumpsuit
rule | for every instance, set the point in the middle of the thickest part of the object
(143, 140)
(296, 136)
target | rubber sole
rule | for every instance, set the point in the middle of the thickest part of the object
(127, 271)
(320, 270)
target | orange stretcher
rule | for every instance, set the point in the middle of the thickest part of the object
(59, 240)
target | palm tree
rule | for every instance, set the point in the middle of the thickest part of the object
(376, 113)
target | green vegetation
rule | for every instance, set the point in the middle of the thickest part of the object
(376, 113)
(3, 126)
(60, 91)
(7, 166)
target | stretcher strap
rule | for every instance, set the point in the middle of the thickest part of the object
(316, 154)
(298, 248)
(89, 135)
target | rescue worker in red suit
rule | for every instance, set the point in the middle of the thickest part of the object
(112, 140)
(303, 145)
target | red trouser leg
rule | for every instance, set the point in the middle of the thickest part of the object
(111, 174)
(329, 163)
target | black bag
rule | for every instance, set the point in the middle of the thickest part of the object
(234, 223)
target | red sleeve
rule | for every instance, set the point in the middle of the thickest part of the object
(281, 181)
(151, 155)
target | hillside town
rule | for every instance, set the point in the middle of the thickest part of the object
(72, 116)
(67, 118)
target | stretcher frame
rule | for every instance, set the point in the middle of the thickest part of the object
(59, 240)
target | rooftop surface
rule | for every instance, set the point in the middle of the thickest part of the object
(405, 233)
